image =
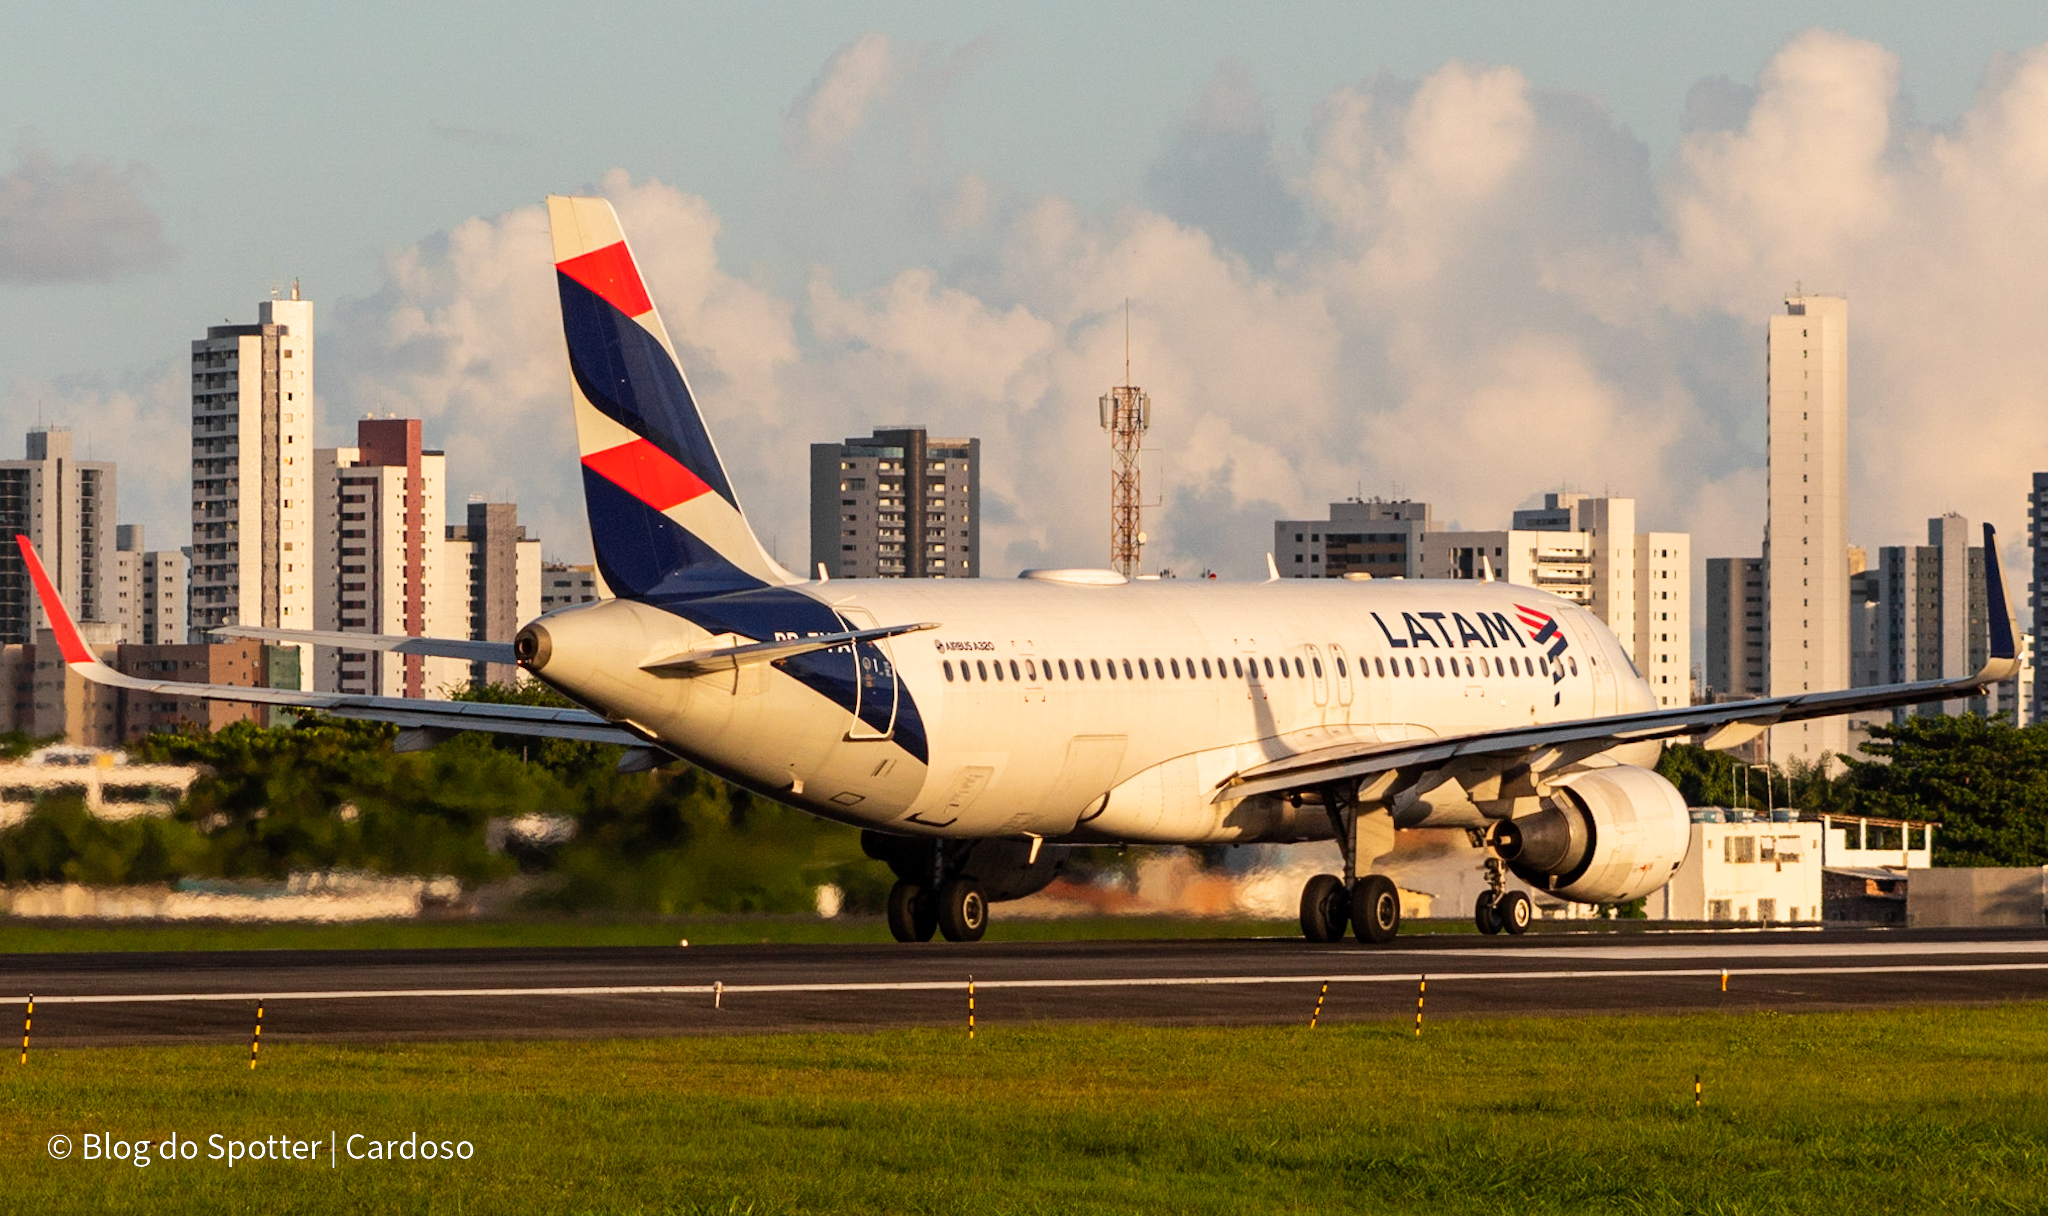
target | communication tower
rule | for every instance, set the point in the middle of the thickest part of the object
(1126, 415)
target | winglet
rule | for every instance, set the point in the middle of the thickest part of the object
(1998, 612)
(69, 643)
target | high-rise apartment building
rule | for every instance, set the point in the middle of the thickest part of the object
(1586, 549)
(1932, 622)
(1380, 538)
(1735, 627)
(378, 515)
(66, 507)
(497, 568)
(1806, 535)
(562, 584)
(148, 590)
(2037, 586)
(252, 472)
(898, 504)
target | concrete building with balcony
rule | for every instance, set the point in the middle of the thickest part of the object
(498, 566)
(1373, 537)
(1735, 628)
(563, 584)
(253, 560)
(148, 590)
(67, 508)
(896, 504)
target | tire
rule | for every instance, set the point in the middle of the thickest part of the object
(1516, 911)
(963, 911)
(1325, 907)
(910, 913)
(1486, 914)
(1375, 910)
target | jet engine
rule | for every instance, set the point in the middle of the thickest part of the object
(1604, 836)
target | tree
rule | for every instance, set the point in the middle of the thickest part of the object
(1984, 780)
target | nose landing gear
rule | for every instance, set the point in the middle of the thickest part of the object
(1499, 909)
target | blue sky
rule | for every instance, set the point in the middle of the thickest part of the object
(206, 155)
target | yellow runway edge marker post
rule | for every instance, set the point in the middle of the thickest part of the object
(970, 1006)
(1315, 1017)
(1421, 987)
(27, 1020)
(1695, 1091)
(1724, 979)
(256, 1040)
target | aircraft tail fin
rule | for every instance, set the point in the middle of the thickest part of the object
(664, 521)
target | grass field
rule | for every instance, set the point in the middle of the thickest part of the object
(1943, 1110)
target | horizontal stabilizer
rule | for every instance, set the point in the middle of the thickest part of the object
(727, 658)
(394, 643)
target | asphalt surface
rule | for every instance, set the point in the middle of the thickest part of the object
(105, 998)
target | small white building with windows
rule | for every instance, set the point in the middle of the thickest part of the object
(1745, 868)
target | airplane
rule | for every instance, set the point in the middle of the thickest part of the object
(977, 731)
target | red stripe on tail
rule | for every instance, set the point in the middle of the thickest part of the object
(647, 473)
(611, 274)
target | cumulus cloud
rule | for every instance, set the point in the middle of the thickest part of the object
(83, 220)
(1470, 289)
(831, 111)
(124, 419)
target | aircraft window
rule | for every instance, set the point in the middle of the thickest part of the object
(1318, 665)
(1237, 667)
(1575, 666)
(1303, 671)
(1499, 668)
(1410, 664)
(999, 671)
(1380, 667)
(1175, 664)
(982, 668)
(1440, 666)
(1063, 669)
(1269, 669)
(1346, 674)
(1095, 667)
(1205, 669)
(1468, 667)
(1144, 670)
(948, 665)
(1013, 670)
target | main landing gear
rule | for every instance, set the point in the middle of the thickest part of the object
(1499, 909)
(1370, 906)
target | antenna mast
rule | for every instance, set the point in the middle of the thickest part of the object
(1126, 413)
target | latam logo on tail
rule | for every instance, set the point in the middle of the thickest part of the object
(1543, 629)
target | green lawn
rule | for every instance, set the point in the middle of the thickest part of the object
(1871, 1112)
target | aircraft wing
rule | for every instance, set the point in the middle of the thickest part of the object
(1523, 751)
(425, 719)
(395, 643)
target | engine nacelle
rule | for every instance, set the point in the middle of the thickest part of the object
(1605, 836)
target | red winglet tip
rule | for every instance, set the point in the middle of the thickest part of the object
(69, 643)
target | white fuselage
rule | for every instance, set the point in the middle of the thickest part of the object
(1020, 742)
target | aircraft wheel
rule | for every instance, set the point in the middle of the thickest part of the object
(1375, 909)
(1486, 914)
(911, 918)
(1516, 911)
(963, 911)
(1325, 907)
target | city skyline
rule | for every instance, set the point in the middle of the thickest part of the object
(1319, 333)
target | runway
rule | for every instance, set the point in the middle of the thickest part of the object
(86, 999)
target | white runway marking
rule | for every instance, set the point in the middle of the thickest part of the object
(730, 990)
(1738, 949)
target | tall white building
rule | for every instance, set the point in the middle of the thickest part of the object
(1587, 550)
(148, 590)
(66, 507)
(378, 514)
(252, 469)
(1806, 536)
